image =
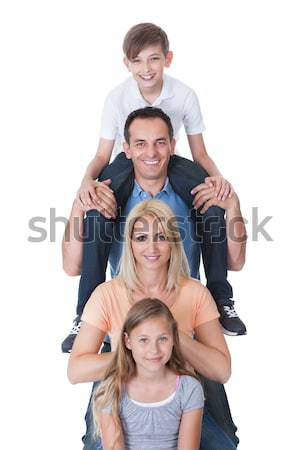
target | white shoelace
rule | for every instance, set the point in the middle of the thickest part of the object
(75, 327)
(230, 311)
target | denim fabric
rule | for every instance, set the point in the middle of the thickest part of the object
(209, 228)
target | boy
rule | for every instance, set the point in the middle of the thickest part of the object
(146, 50)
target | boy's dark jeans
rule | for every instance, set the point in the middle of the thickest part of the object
(184, 175)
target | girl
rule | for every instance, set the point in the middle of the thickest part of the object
(148, 400)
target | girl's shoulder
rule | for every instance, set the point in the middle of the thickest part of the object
(188, 381)
(190, 392)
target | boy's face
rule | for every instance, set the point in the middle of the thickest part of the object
(148, 66)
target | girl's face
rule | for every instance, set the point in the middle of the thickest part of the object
(150, 247)
(151, 344)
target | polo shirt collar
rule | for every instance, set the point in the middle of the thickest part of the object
(166, 91)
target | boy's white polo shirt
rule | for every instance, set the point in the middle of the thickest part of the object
(176, 99)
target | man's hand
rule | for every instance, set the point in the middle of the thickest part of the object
(86, 195)
(98, 195)
(106, 200)
(223, 188)
(206, 195)
(229, 203)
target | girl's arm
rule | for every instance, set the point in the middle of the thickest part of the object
(85, 364)
(190, 430)
(208, 353)
(108, 431)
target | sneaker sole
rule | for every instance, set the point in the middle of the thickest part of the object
(232, 333)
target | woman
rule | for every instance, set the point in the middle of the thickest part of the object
(153, 265)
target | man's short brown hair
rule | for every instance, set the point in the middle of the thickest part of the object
(143, 35)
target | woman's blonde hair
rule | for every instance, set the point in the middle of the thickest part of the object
(123, 366)
(178, 264)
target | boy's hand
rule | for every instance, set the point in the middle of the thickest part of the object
(223, 188)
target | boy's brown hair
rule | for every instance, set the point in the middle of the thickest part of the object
(143, 35)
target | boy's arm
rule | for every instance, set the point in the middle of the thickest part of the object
(87, 193)
(199, 153)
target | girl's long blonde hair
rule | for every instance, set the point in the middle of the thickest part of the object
(123, 367)
(178, 264)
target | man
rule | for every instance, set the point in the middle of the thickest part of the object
(149, 144)
(209, 225)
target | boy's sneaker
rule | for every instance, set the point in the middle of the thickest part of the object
(231, 324)
(68, 342)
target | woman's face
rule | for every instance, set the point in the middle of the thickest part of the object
(150, 247)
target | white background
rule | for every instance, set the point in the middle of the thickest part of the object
(58, 61)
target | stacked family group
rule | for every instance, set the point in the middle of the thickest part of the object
(151, 339)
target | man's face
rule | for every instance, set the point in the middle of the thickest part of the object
(150, 148)
(148, 66)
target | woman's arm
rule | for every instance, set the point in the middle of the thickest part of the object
(208, 353)
(85, 364)
(190, 430)
(108, 431)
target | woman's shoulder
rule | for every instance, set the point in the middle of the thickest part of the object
(192, 285)
(116, 284)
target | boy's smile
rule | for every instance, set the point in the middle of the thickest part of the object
(147, 68)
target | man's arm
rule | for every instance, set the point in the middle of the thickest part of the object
(235, 225)
(72, 244)
(236, 234)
